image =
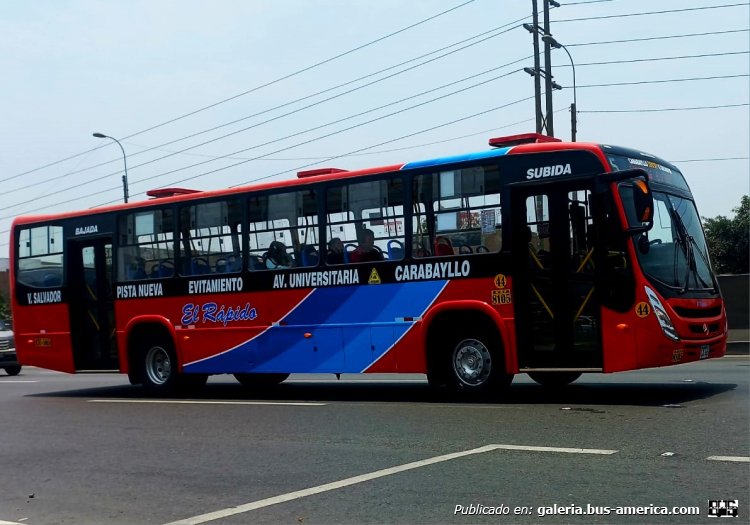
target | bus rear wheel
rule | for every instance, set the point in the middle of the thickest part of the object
(159, 371)
(554, 379)
(475, 366)
(260, 380)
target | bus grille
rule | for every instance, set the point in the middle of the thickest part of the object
(692, 313)
(710, 329)
(4, 344)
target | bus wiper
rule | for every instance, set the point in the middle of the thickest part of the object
(697, 248)
(687, 246)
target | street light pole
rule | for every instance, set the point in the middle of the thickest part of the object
(549, 39)
(125, 162)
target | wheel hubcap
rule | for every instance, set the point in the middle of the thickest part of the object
(472, 362)
(158, 365)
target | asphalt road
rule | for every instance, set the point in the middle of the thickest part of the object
(91, 449)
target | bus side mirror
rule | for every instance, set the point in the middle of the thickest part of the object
(643, 201)
(639, 204)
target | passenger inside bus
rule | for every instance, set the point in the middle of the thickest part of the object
(366, 251)
(137, 269)
(335, 253)
(277, 256)
(443, 246)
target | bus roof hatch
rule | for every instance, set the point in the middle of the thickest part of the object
(318, 171)
(161, 193)
(523, 138)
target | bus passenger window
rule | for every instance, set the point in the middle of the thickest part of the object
(457, 212)
(40, 256)
(145, 245)
(365, 221)
(283, 230)
(210, 234)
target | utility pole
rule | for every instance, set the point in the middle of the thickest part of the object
(549, 123)
(537, 80)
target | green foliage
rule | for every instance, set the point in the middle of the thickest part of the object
(728, 240)
(4, 308)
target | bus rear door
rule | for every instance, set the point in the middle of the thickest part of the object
(91, 304)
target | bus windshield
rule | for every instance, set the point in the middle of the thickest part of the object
(674, 251)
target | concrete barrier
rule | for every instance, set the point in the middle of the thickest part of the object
(736, 292)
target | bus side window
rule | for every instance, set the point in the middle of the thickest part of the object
(368, 219)
(283, 230)
(210, 233)
(146, 245)
(457, 212)
(40, 257)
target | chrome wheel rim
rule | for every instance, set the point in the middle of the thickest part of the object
(158, 365)
(472, 362)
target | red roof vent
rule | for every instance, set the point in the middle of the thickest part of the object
(319, 171)
(523, 138)
(161, 193)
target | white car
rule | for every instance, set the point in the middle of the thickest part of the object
(8, 359)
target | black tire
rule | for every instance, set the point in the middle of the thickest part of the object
(260, 380)
(13, 370)
(472, 365)
(554, 379)
(159, 371)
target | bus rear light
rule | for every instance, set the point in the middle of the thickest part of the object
(661, 315)
(623, 327)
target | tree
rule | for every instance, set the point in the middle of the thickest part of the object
(4, 309)
(728, 239)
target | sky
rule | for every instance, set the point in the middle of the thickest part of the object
(208, 95)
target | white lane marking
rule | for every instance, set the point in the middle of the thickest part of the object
(200, 402)
(15, 381)
(239, 509)
(10, 522)
(740, 459)
(556, 449)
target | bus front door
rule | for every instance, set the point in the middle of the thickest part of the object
(557, 315)
(91, 306)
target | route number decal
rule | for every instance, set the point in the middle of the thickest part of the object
(642, 309)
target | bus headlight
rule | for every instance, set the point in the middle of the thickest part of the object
(661, 315)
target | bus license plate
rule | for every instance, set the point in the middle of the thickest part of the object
(705, 351)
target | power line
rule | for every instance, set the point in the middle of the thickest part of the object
(660, 81)
(310, 129)
(391, 150)
(183, 151)
(710, 160)
(623, 15)
(662, 37)
(653, 110)
(58, 177)
(586, 2)
(655, 59)
(496, 108)
(256, 88)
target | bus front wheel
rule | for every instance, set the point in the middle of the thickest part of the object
(476, 366)
(554, 379)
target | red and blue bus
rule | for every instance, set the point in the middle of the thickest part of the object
(536, 256)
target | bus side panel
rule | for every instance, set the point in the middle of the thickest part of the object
(618, 341)
(43, 336)
(410, 354)
(331, 329)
